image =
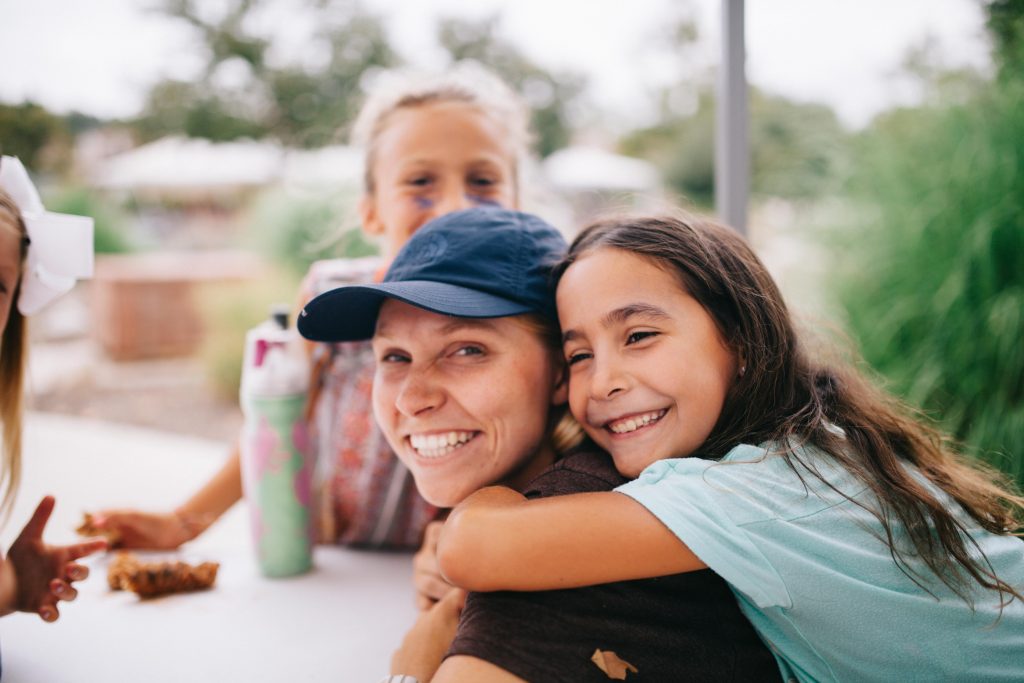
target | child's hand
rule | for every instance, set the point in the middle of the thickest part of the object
(429, 638)
(144, 530)
(430, 585)
(44, 573)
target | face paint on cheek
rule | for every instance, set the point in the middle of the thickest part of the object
(423, 202)
(483, 201)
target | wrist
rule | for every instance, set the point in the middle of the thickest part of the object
(191, 524)
(8, 587)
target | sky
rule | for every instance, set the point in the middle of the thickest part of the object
(100, 56)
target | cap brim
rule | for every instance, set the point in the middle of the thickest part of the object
(350, 313)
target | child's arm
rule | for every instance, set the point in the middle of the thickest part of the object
(498, 540)
(166, 531)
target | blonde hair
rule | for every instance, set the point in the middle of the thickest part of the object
(13, 358)
(564, 433)
(466, 81)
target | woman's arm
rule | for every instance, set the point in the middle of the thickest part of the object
(498, 540)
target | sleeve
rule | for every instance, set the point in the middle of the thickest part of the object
(720, 517)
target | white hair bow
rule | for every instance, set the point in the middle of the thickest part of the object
(60, 245)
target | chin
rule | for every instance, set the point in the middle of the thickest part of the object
(441, 496)
(630, 466)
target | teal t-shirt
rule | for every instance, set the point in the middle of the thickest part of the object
(814, 575)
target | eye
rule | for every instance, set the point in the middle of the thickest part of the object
(469, 350)
(394, 357)
(482, 181)
(419, 181)
(635, 337)
(577, 356)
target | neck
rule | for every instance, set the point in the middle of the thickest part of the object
(542, 459)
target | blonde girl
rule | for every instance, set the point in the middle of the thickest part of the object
(34, 576)
(433, 144)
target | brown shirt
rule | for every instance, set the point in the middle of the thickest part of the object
(686, 627)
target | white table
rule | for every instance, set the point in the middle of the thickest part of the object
(338, 623)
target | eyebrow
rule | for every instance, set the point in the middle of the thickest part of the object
(456, 325)
(459, 324)
(621, 315)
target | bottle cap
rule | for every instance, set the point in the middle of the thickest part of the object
(279, 315)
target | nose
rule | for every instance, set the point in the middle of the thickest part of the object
(454, 197)
(608, 379)
(418, 394)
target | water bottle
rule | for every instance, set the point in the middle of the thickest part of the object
(277, 454)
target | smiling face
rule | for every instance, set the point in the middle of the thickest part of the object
(433, 159)
(648, 368)
(464, 403)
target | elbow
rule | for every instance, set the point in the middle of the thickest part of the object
(462, 552)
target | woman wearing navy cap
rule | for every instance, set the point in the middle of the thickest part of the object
(469, 391)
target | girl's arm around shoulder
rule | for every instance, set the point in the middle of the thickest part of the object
(498, 540)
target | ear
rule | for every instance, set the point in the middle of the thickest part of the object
(368, 215)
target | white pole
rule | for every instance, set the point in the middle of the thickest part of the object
(732, 153)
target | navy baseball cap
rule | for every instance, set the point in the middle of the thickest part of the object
(477, 263)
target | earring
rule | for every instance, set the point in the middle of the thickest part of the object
(743, 370)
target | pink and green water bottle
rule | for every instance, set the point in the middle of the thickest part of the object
(277, 453)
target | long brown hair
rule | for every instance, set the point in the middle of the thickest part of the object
(13, 357)
(788, 399)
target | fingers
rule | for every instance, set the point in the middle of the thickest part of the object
(455, 598)
(99, 519)
(432, 586)
(35, 526)
(63, 590)
(85, 548)
(75, 572)
(49, 613)
(432, 533)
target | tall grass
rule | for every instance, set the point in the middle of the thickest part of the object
(933, 281)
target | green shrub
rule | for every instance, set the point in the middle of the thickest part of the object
(109, 221)
(229, 310)
(932, 280)
(294, 231)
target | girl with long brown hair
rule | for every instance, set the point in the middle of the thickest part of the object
(856, 539)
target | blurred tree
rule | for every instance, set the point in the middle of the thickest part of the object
(932, 273)
(550, 95)
(226, 38)
(241, 94)
(310, 108)
(798, 150)
(1005, 22)
(28, 130)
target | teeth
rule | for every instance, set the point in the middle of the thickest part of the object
(631, 424)
(436, 445)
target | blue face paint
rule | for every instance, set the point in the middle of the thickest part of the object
(483, 201)
(423, 202)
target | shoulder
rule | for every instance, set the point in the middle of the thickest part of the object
(580, 471)
(766, 481)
